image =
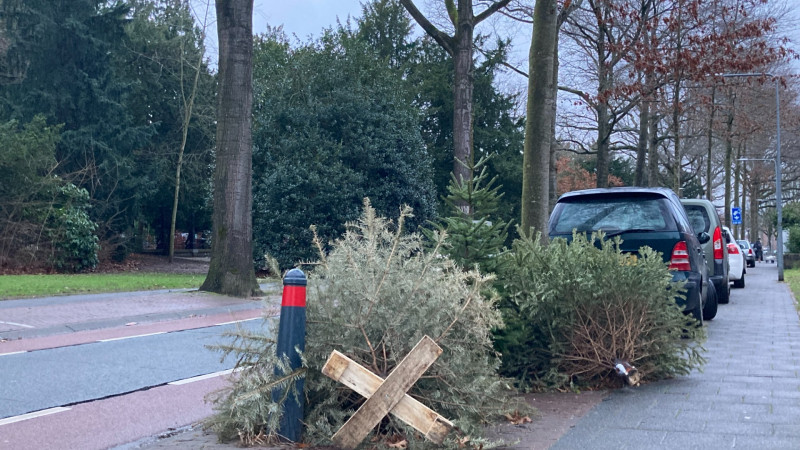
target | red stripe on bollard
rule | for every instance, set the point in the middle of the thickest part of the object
(294, 296)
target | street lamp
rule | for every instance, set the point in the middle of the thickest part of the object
(778, 198)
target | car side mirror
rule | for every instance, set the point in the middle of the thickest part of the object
(703, 237)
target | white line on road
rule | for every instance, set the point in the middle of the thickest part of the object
(202, 377)
(131, 337)
(33, 415)
(236, 321)
(13, 353)
(18, 324)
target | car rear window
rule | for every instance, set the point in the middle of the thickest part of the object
(698, 218)
(610, 214)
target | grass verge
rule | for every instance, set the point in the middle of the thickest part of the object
(22, 286)
(792, 278)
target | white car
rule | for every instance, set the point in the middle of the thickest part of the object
(735, 260)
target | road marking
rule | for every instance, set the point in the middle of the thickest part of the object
(131, 337)
(18, 324)
(33, 415)
(236, 321)
(202, 377)
(13, 353)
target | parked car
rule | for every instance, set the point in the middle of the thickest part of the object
(736, 259)
(749, 252)
(650, 217)
(703, 217)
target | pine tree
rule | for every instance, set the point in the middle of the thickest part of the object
(475, 233)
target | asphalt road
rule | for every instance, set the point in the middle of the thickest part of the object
(63, 376)
(99, 371)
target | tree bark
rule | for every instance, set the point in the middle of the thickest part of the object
(710, 136)
(652, 152)
(728, 163)
(462, 95)
(538, 125)
(460, 48)
(754, 225)
(676, 126)
(738, 192)
(604, 83)
(231, 271)
(640, 177)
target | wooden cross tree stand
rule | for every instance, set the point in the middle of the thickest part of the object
(387, 396)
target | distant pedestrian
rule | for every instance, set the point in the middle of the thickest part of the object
(759, 250)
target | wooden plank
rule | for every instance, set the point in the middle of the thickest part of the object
(388, 394)
(425, 420)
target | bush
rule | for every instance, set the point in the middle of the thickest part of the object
(72, 231)
(572, 309)
(373, 297)
(794, 239)
(325, 139)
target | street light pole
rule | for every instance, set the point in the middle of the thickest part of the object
(778, 197)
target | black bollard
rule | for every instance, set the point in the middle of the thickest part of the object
(291, 335)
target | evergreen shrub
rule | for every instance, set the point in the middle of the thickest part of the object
(571, 309)
(72, 232)
(794, 239)
(373, 296)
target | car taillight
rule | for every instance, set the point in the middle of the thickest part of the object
(733, 249)
(750, 251)
(680, 258)
(718, 243)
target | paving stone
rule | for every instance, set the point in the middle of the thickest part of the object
(746, 397)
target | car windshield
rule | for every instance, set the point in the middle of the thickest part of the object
(613, 215)
(744, 244)
(698, 218)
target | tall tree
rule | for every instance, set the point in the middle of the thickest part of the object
(231, 271)
(188, 95)
(460, 47)
(538, 125)
(163, 57)
(67, 50)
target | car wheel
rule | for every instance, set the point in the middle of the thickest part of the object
(739, 283)
(710, 308)
(723, 295)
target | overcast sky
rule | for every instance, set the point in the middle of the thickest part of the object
(302, 17)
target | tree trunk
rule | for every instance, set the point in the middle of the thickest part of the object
(640, 177)
(538, 125)
(231, 271)
(188, 107)
(727, 167)
(737, 185)
(754, 225)
(710, 135)
(460, 47)
(652, 152)
(676, 126)
(553, 187)
(462, 95)
(603, 126)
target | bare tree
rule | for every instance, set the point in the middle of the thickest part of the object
(460, 48)
(231, 271)
(187, 99)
